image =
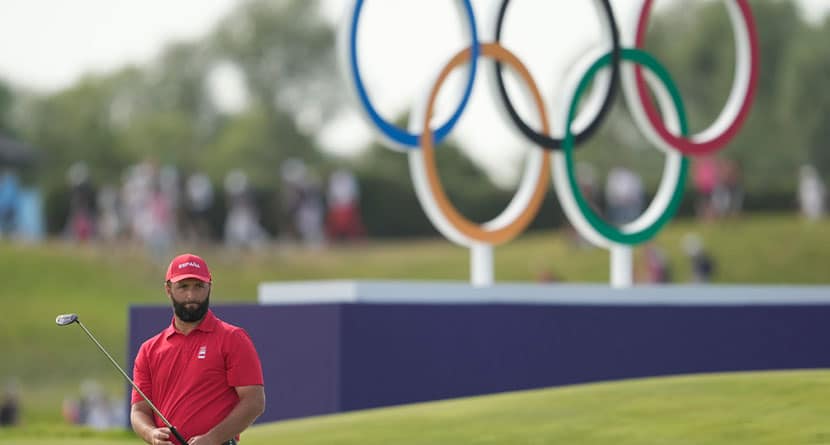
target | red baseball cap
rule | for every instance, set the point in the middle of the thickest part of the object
(188, 266)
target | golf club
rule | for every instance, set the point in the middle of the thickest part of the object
(66, 319)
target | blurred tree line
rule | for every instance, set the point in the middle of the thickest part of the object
(284, 53)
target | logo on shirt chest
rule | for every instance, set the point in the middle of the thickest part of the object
(202, 353)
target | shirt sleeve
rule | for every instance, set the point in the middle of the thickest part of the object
(242, 362)
(141, 376)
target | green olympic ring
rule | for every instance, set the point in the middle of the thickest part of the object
(596, 222)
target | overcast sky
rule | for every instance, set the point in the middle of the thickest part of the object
(48, 44)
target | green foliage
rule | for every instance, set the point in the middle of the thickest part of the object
(241, 143)
(6, 101)
(74, 125)
(804, 90)
(286, 51)
(165, 136)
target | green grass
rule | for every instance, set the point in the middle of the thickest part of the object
(100, 282)
(719, 409)
(759, 408)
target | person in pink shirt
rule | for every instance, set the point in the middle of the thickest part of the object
(705, 177)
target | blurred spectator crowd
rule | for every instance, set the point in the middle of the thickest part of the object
(10, 405)
(159, 205)
(94, 408)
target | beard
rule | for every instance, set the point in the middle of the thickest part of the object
(191, 315)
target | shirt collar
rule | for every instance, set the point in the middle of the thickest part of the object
(207, 325)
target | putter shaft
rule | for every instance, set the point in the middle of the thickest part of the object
(146, 399)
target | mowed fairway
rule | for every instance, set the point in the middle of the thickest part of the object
(720, 409)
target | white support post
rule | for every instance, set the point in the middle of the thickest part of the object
(481, 265)
(622, 267)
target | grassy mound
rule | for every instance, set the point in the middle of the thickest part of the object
(744, 408)
(717, 409)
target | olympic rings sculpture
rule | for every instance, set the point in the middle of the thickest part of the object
(614, 64)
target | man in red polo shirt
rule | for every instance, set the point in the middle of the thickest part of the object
(203, 375)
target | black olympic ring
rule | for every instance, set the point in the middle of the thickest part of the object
(548, 142)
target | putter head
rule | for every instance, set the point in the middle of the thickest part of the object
(65, 319)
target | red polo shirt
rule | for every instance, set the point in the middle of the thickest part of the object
(191, 378)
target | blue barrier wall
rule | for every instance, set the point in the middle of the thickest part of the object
(327, 358)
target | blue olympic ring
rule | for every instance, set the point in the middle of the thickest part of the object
(391, 131)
